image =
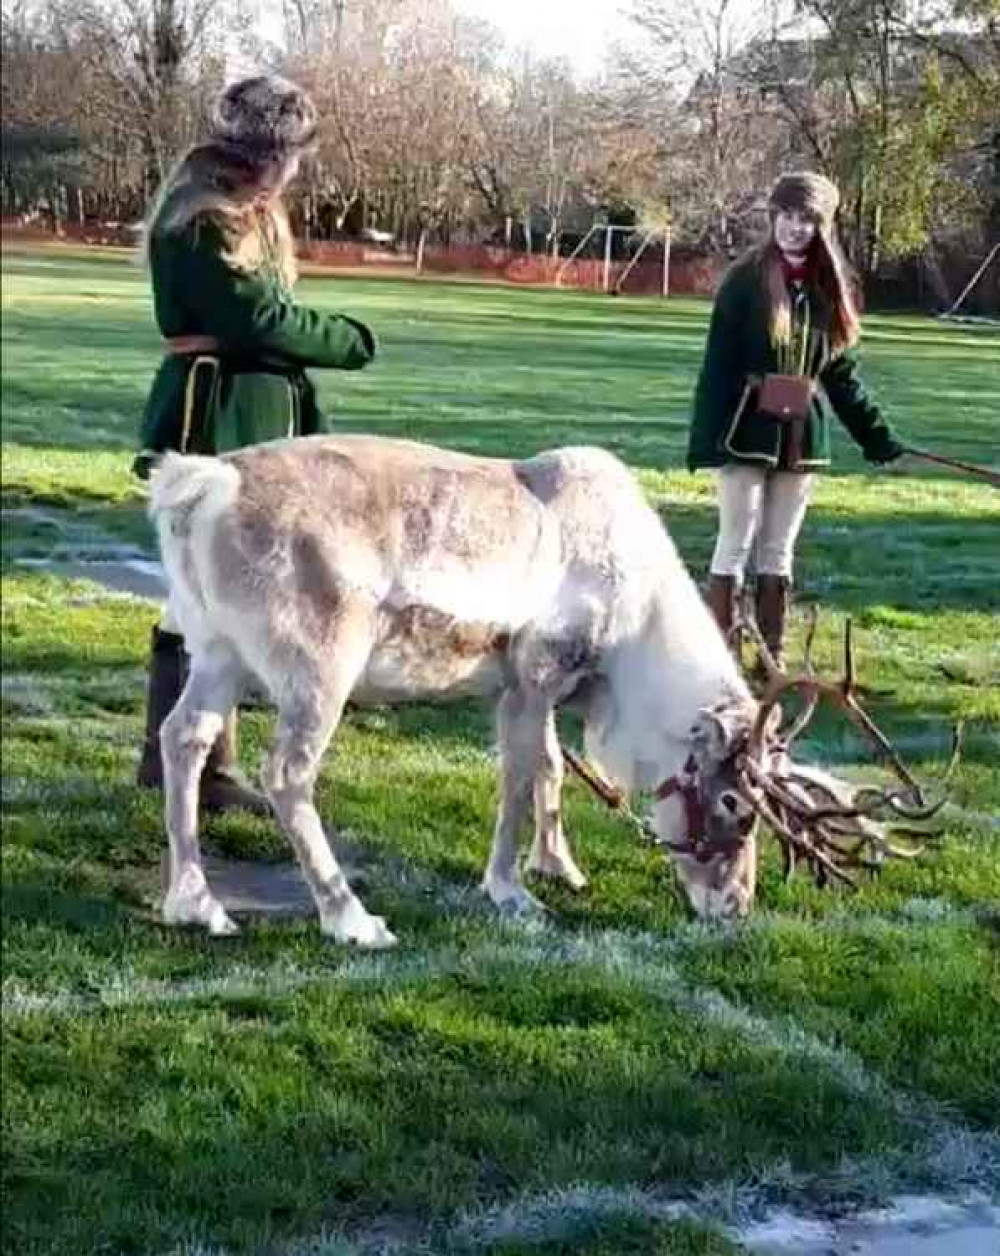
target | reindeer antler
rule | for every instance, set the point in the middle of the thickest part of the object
(826, 822)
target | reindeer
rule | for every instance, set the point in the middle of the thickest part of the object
(327, 569)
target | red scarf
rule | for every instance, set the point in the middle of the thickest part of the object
(794, 272)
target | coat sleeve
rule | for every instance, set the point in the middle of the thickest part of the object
(720, 382)
(247, 315)
(857, 410)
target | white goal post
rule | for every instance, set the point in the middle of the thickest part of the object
(609, 230)
(952, 314)
(655, 233)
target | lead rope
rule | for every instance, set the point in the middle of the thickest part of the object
(611, 796)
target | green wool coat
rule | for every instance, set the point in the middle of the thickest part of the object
(254, 387)
(729, 428)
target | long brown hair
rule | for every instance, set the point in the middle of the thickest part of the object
(830, 273)
(211, 181)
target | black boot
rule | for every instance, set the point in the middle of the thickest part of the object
(772, 611)
(167, 674)
(222, 785)
(722, 596)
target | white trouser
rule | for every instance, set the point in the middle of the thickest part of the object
(169, 621)
(756, 503)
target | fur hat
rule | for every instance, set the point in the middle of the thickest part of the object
(264, 117)
(812, 194)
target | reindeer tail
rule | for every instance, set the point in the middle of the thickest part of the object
(188, 493)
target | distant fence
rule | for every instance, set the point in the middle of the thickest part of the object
(38, 229)
(912, 284)
(691, 276)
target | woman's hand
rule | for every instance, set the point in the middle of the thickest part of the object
(881, 447)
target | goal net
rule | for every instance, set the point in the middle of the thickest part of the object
(959, 312)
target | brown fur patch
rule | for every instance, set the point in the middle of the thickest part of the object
(315, 582)
(417, 629)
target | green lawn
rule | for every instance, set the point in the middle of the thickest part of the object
(617, 1080)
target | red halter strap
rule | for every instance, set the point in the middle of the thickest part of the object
(696, 842)
(685, 783)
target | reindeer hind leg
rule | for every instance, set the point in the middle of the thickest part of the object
(315, 693)
(186, 737)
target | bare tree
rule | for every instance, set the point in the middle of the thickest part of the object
(430, 128)
(152, 64)
(687, 71)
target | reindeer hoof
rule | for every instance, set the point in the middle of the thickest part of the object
(354, 924)
(199, 908)
(222, 924)
(514, 900)
(378, 938)
(554, 869)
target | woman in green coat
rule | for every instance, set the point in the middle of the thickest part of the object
(778, 358)
(235, 342)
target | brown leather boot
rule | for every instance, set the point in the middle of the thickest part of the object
(772, 611)
(722, 595)
(223, 787)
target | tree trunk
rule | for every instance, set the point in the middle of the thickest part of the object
(74, 199)
(874, 259)
(993, 210)
(308, 218)
(420, 249)
(54, 211)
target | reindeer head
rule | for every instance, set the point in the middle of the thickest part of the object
(740, 771)
(712, 835)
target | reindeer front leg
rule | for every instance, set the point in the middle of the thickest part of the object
(521, 719)
(290, 779)
(550, 853)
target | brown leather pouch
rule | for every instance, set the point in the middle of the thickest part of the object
(786, 397)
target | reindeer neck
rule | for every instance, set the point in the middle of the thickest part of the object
(660, 678)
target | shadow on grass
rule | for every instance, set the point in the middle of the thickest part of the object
(52, 526)
(60, 908)
(22, 654)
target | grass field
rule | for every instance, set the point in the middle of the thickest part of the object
(617, 1080)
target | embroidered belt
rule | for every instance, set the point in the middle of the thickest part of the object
(178, 346)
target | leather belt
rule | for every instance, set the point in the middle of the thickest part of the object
(178, 346)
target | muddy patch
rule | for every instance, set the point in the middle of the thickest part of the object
(276, 890)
